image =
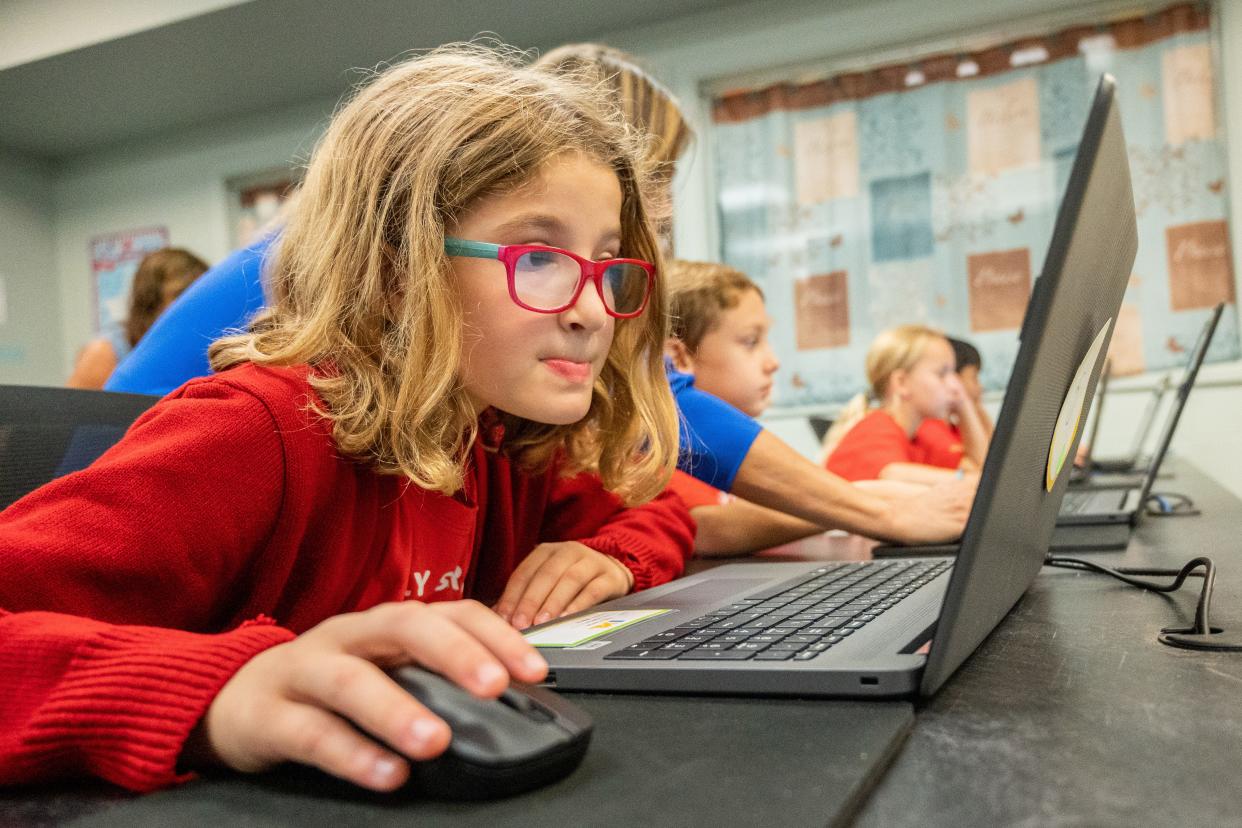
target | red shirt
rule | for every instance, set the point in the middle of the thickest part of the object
(226, 522)
(941, 443)
(875, 441)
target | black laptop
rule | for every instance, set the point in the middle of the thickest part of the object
(1133, 459)
(1085, 507)
(899, 627)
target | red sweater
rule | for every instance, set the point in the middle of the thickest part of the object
(225, 523)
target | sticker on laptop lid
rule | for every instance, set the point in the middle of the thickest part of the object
(577, 631)
(1072, 412)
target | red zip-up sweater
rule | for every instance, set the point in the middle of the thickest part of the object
(225, 522)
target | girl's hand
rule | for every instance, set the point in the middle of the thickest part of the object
(295, 701)
(560, 578)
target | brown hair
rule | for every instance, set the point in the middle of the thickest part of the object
(699, 293)
(160, 278)
(362, 288)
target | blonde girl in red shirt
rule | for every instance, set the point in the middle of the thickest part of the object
(912, 378)
(456, 392)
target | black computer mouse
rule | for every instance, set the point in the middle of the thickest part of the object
(526, 738)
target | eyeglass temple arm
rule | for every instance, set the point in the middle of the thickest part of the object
(472, 249)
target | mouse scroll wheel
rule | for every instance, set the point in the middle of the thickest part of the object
(526, 706)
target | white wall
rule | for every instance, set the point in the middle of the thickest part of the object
(30, 340)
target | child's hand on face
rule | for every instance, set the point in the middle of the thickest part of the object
(291, 702)
(957, 392)
(560, 578)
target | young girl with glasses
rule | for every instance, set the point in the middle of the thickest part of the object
(457, 391)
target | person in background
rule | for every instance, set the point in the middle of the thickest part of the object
(457, 393)
(941, 440)
(911, 378)
(161, 277)
(719, 444)
(719, 335)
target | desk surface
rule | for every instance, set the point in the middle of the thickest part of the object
(1070, 713)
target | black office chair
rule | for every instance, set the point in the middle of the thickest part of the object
(46, 433)
(820, 425)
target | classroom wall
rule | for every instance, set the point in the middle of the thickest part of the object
(178, 180)
(30, 325)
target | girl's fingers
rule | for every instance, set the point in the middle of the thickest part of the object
(521, 659)
(359, 691)
(597, 591)
(516, 585)
(313, 736)
(540, 585)
(462, 640)
(569, 586)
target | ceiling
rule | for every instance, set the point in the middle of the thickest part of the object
(268, 54)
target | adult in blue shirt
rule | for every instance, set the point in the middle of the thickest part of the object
(174, 349)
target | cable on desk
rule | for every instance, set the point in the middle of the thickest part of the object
(1201, 635)
(1171, 504)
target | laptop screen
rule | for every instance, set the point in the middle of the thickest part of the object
(1179, 403)
(1072, 310)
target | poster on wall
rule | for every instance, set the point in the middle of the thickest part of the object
(255, 201)
(114, 258)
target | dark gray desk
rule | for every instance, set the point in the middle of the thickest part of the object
(1072, 714)
(1069, 714)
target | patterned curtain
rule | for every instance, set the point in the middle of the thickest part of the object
(927, 192)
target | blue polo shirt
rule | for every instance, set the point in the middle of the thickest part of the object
(174, 350)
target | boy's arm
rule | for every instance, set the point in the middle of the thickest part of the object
(740, 527)
(776, 476)
(103, 571)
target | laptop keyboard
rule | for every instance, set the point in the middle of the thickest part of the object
(1075, 503)
(796, 620)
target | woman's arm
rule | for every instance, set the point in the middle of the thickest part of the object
(95, 363)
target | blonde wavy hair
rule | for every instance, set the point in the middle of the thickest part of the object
(897, 349)
(363, 292)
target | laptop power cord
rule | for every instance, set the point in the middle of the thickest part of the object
(1170, 504)
(1202, 635)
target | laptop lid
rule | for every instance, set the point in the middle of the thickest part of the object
(1063, 340)
(1148, 418)
(1179, 402)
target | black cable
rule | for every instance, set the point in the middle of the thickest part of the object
(1171, 504)
(1202, 635)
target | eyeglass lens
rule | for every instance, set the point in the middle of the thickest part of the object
(545, 279)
